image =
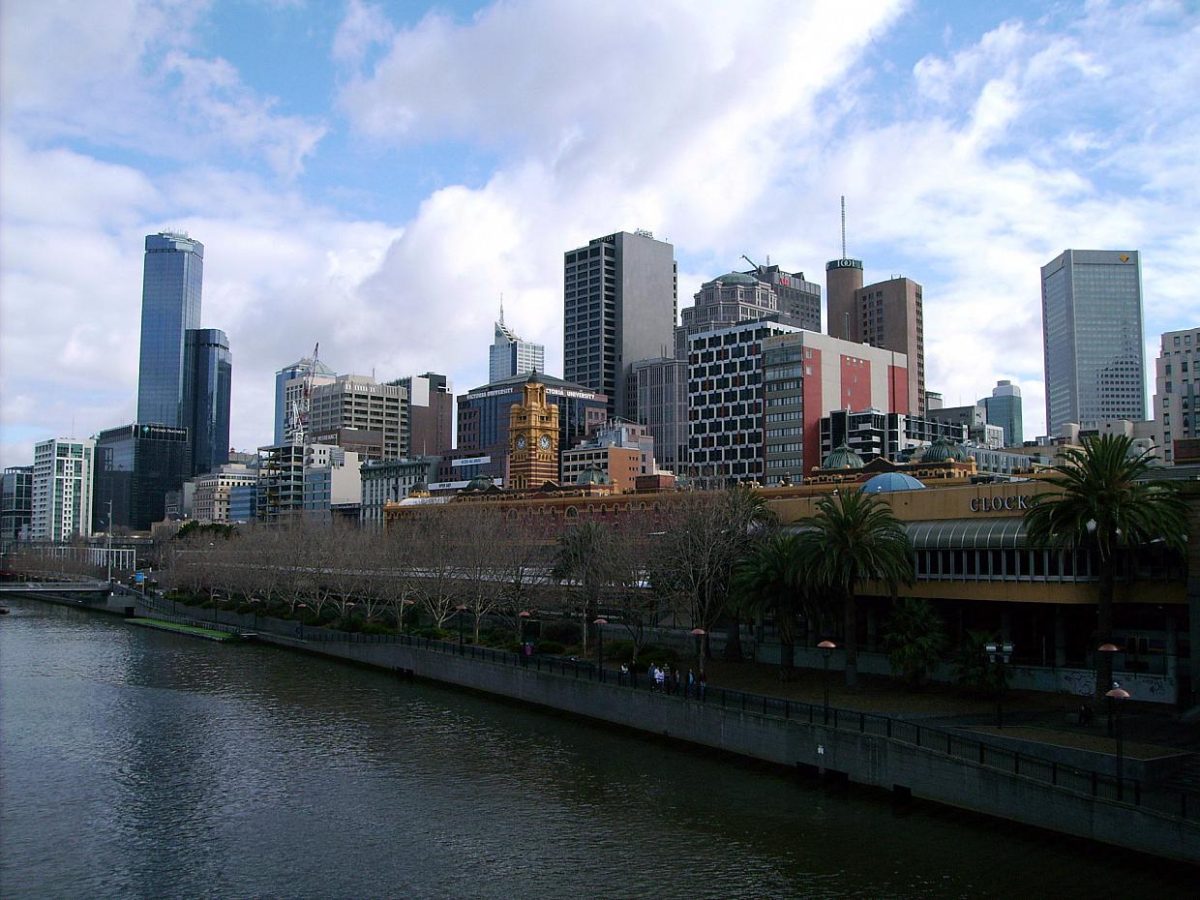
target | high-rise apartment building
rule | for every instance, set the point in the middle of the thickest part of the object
(291, 400)
(619, 306)
(888, 314)
(171, 282)
(361, 403)
(62, 489)
(1092, 338)
(430, 413)
(1003, 408)
(725, 401)
(1177, 391)
(209, 368)
(509, 355)
(16, 504)
(135, 467)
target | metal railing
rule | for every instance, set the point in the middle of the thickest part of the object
(940, 740)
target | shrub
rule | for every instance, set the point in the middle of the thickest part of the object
(377, 628)
(561, 631)
(915, 638)
(656, 653)
(973, 671)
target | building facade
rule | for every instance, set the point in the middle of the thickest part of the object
(799, 300)
(62, 489)
(136, 466)
(293, 383)
(725, 401)
(619, 306)
(1177, 391)
(806, 376)
(872, 433)
(1092, 337)
(212, 497)
(662, 407)
(333, 485)
(209, 368)
(430, 413)
(16, 504)
(1003, 408)
(172, 278)
(509, 355)
(390, 482)
(360, 402)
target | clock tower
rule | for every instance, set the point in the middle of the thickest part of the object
(532, 438)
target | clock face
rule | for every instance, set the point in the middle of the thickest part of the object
(521, 442)
(544, 442)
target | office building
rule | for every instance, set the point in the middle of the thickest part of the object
(1092, 337)
(748, 296)
(662, 406)
(209, 369)
(1177, 391)
(280, 488)
(619, 306)
(798, 299)
(429, 413)
(390, 482)
(873, 433)
(16, 504)
(135, 467)
(805, 377)
(483, 419)
(171, 282)
(333, 488)
(360, 402)
(1003, 408)
(725, 402)
(212, 497)
(62, 489)
(509, 355)
(293, 383)
(620, 451)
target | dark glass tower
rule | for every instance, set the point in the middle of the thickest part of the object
(208, 368)
(171, 282)
(136, 465)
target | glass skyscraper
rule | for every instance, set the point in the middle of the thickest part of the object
(1092, 336)
(1003, 408)
(135, 466)
(208, 371)
(171, 283)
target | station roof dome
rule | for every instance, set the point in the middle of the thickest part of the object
(843, 457)
(887, 482)
(943, 449)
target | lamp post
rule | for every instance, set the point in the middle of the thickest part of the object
(600, 622)
(459, 610)
(999, 654)
(301, 605)
(522, 617)
(826, 648)
(1115, 695)
(1109, 649)
(404, 603)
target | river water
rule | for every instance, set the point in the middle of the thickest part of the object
(136, 763)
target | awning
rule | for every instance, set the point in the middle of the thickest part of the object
(968, 534)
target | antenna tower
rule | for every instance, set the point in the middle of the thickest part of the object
(843, 226)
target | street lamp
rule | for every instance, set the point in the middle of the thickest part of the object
(460, 609)
(999, 654)
(301, 605)
(826, 648)
(1108, 649)
(1118, 693)
(698, 634)
(600, 622)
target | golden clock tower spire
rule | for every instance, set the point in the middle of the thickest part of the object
(532, 438)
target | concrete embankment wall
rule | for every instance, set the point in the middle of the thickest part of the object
(862, 758)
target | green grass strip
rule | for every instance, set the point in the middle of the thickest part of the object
(208, 633)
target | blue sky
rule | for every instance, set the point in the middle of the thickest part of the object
(373, 176)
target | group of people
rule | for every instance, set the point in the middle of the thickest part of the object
(667, 680)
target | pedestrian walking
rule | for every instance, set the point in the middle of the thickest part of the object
(660, 678)
(703, 684)
(621, 676)
(691, 683)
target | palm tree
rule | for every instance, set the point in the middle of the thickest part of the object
(1105, 503)
(855, 537)
(773, 579)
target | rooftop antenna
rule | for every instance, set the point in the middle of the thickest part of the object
(501, 307)
(843, 226)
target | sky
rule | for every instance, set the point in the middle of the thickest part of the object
(373, 177)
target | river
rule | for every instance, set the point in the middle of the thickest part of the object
(136, 763)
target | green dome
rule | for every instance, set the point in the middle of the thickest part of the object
(737, 278)
(843, 457)
(592, 475)
(943, 449)
(479, 483)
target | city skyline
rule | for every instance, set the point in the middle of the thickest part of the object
(356, 167)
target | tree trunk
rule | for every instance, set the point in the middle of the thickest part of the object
(851, 638)
(733, 639)
(1104, 621)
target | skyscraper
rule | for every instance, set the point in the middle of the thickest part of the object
(1177, 391)
(1003, 408)
(1092, 337)
(171, 282)
(619, 306)
(430, 414)
(208, 366)
(135, 467)
(509, 355)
